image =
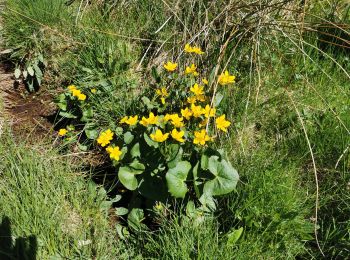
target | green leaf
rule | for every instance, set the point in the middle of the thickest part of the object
(135, 218)
(38, 71)
(82, 147)
(226, 177)
(137, 167)
(121, 211)
(153, 187)
(30, 71)
(176, 178)
(127, 174)
(91, 133)
(233, 236)
(62, 102)
(17, 73)
(118, 131)
(135, 150)
(128, 137)
(87, 114)
(122, 231)
(149, 141)
(218, 98)
(174, 155)
(67, 115)
(204, 162)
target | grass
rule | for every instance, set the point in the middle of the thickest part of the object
(51, 207)
(293, 81)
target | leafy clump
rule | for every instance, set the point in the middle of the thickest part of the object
(166, 147)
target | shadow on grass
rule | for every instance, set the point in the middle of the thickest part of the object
(22, 248)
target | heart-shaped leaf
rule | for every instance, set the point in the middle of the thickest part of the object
(128, 137)
(176, 178)
(135, 150)
(226, 177)
(127, 174)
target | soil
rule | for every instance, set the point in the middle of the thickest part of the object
(28, 114)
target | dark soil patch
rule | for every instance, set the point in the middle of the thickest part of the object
(26, 113)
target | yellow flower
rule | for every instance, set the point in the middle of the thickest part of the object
(72, 87)
(197, 50)
(81, 97)
(191, 100)
(162, 92)
(76, 92)
(205, 81)
(105, 137)
(151, 120)
(209, 111)
(186, 113)
(200, 137)
(167, 117)
(201, 98)
(132, 120)
(197, 90)
(62, 132)
(93, 91)
(177, 121)
(114, 152)
(191, 69)
(226, 78)
(170, 66)
(123, 120)
(197, 110)
(162, 100)
(188, 48)
(178, 135)
(193, 49)
(222, 123)
(158, 136)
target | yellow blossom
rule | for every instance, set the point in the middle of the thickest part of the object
(158, 136)
(226, 78)
(222, 123)
(62, 132)
(209, 111)
(197, 90)
(191, 69)
(132, 120)
(167, 117)
(123, 120)
(191, 100)
(162, 100)
(188, 48)
(114, 152)
(170, 66)
(197, 110)
(201, 98)
(205, 81)
(151, 120)
(194, 49)
(76, 92)
(162, 92)
(197, 50)
(177, 121)
(200, 137)
(93, 91)
(178, 135)
(72, 87)
(105, 137)
(186, 113)
(81, 97)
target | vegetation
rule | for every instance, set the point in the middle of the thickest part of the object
(288, 139)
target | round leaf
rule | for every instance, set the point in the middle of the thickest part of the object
(176, 178)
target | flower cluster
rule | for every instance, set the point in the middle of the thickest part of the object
(76, 93)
